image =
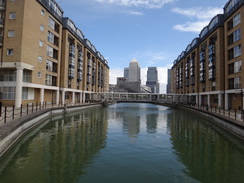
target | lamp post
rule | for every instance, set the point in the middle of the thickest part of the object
(241, 103)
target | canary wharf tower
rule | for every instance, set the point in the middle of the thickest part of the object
(152, 79)
(134, 71)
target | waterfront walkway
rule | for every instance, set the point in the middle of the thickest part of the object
(10, 113)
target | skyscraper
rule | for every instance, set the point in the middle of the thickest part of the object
(126, 73)
(152, 79)
(134, 71)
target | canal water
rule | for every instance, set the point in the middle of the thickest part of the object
(125, 143)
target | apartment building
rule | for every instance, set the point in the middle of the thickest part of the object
(45, 57)
(234, 36)
(209, 71)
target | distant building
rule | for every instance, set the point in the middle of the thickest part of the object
(134, 71)
(131, 82)
(152, 79)
(169, 82)
(124, 85)
(126, 73)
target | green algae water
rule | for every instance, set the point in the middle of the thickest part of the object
(125, 143)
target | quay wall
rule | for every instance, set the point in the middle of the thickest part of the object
(12, 131)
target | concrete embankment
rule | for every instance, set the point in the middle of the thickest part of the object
(233, 126)
(12, 131)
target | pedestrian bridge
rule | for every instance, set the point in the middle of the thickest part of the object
(141, 97)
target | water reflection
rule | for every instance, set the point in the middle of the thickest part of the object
(209, 153)
(152, 122)
(132, 116)
(126, 143)
(60, 151)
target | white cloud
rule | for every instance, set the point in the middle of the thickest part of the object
(162, 76)
(191, 26)
(135, 13)
(150, 57)
(114, 73)
(137, 3)
(200, 13)
(203, 16)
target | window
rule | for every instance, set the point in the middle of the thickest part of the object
(40, 59)
(11, 33)
(48, 80)
(66, 96)
(237, 51)
(51, 80)
(50, 37)
(24, 93)
(51, 23)
(234, 52)
(237, 35)
(27, 76)
(49, 51)
(42, 28)
(8, 75)
(237, 66)
(12, 15)
(8, 93)
(10, 52)
(49, 65)
(39, 75)
(69, 83)
(237, 82)
(42, 12)
(41, 43)
(236, 20)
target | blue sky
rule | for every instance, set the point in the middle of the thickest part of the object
(154, 32)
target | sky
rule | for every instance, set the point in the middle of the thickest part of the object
(154, 32)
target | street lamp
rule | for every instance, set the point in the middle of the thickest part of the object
(241, 90)
(241, 103)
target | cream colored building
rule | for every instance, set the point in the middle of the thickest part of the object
(44, 57)
(209, 72)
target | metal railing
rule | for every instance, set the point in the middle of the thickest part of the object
(236, 114)
(9, 113)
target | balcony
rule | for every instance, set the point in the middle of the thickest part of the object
(2, 6)
(1, 40)
(1, 23)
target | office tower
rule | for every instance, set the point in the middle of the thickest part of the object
(152, 79)
(134, 71)
(126, 73)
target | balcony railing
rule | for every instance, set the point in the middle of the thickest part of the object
(2, 6)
